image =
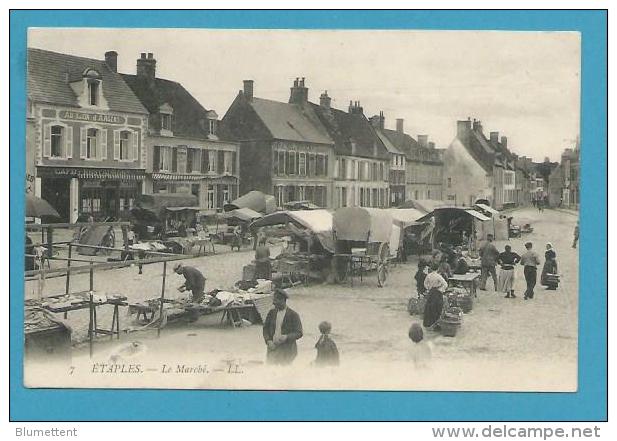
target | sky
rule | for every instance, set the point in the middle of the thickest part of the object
(524, 85)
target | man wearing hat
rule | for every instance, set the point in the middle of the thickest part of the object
(194, 281)
(282, 328)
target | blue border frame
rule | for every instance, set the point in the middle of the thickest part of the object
(588, 404)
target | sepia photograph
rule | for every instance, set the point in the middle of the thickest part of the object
(367, 210)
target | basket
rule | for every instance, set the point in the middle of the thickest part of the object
(248, 272)
(464, 302)
(416, 305)
(449, 328)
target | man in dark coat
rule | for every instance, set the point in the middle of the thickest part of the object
(194, 281)
(282, 328)
(488, 255)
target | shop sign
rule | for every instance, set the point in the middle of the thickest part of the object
(92, 117)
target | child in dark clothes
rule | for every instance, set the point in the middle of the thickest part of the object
(327, 352)
(420, 276)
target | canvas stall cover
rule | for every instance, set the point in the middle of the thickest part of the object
(362, 224)
(243, 215)
(317, 221)
(255, 200)
(401, 219)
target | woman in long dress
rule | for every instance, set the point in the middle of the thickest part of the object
(436, 286)
(550, 268)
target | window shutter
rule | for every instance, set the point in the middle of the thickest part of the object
(103, 154)
(220, 160)
(233, 162)
(134, 146)
(68, 144)
(174, 160)
(47, 140)
(82, 146)
(116, 145)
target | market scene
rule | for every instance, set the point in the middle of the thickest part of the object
(286, 244)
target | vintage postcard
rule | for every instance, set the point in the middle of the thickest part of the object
(302, 210)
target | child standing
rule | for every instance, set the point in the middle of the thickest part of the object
(327, 352)
(421, 351)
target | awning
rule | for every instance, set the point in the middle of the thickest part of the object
(92, 173)
(487, 208)
(406, 216)
(478, 215)
(176, 177)
(182, 208)
(242, 214)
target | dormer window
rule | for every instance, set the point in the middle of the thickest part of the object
(166, 121)
(166, 113)
(211, 126)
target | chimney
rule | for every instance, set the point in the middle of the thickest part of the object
(356, 108)
(423, 141)
(299, 93)
(504, 141)
(146, 66)
(494, 137)
(431, 145)
(111, 60)
(378, 121)
(400, 125)
(325, 100)
(248, 89)
(463, 128)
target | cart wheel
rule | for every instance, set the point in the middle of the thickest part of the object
(382, 274)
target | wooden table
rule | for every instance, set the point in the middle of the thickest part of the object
(467, 281)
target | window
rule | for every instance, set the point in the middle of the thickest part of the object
(311, 167)
(227, 162)
(375, 176)
(212, 159)
(302, 164)
(210, 200)
(166, 121)
(125, 144)
(211, 126)
(225, 193)
(343, 197)
(189, 160)
(343, 171)
(319, 165)
(93, 93)
(57, 141)
(281, 162)
(449, 182)
(91, 143)
(291, 163)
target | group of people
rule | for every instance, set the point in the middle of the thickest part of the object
(507, 261)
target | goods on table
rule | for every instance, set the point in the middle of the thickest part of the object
(461, 298)
(45, 336)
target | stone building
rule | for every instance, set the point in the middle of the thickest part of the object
(564, 180)
(361, 168)
(84, 140)
(285, 150)
(477, 167)
(420, 169)
(185, 153)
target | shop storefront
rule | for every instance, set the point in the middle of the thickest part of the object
(101, 193)
(212, 193)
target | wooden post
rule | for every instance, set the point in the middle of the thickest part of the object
(91, 322)
(50, 243)
(68, 271)
(162, 299)
(91, 276)
(125, 237)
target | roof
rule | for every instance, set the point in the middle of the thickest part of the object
(48, 74)
(487, 208)
(387, 143)
(189, 115)
(353, 134)
(402, 141)
(291, 122)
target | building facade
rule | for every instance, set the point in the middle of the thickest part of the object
(477, 167)
(184, 152)
(420, 169)
(362, 161)
(564, 180)
(285, 151)
(85, 133)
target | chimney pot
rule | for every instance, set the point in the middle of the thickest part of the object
(494, 136)
(504, 141)
(143, 55)
(150, 55)
(146, 67)
(111, 59)
(324, 100)
(299, 93)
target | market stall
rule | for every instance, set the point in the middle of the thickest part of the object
(406, 231)
(163, 215)
(457, 226)
(311, 231)
(500, 223)
(361, 238)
